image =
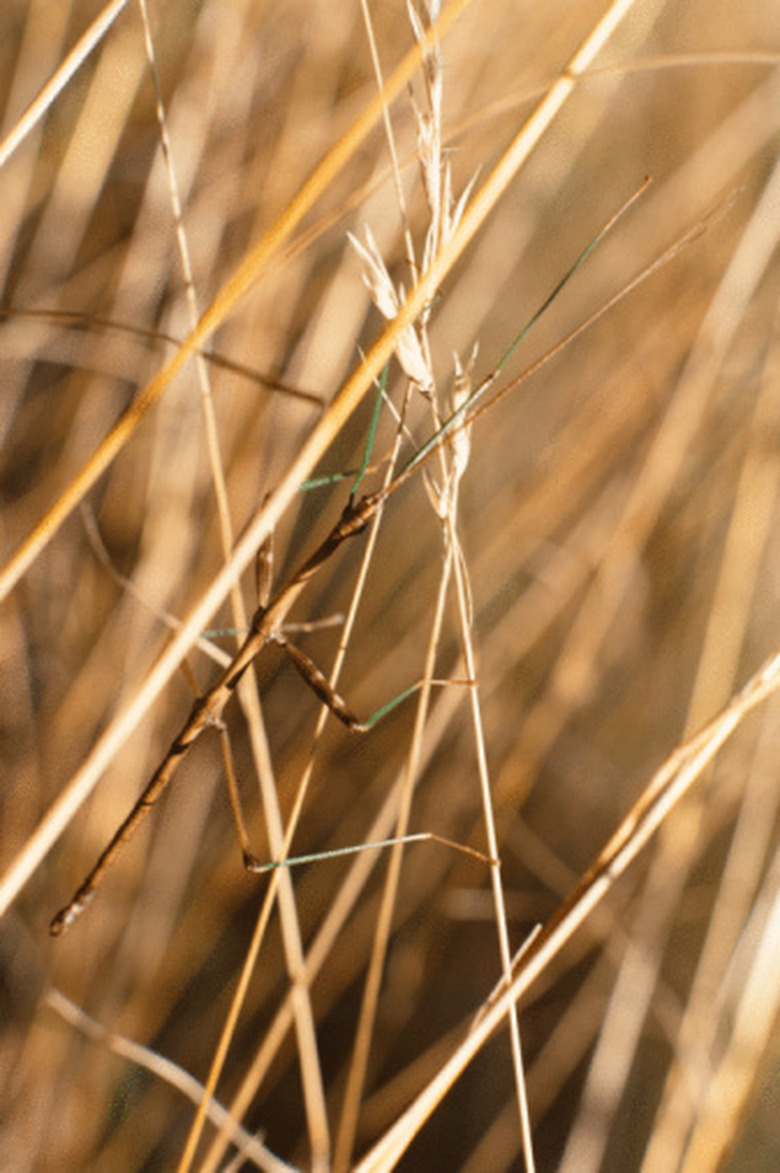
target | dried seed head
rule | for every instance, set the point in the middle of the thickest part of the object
(388, 301)
(461, 391)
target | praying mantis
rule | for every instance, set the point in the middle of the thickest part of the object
(267, 624)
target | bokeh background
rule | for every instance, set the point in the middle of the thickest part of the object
(619, 524)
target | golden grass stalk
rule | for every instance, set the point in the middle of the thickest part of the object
(590, 567)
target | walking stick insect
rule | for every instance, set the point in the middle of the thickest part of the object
(206, 712)
(207, 709)
(267, 622)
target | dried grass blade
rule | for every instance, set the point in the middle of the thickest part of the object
(671, 782)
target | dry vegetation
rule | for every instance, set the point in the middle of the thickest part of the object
(603, 560)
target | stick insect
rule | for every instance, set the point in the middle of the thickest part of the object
(266, 626)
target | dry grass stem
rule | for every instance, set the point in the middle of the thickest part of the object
(469, 496)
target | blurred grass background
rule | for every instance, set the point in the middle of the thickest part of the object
(618, 519)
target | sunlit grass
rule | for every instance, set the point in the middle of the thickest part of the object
(592, 564)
